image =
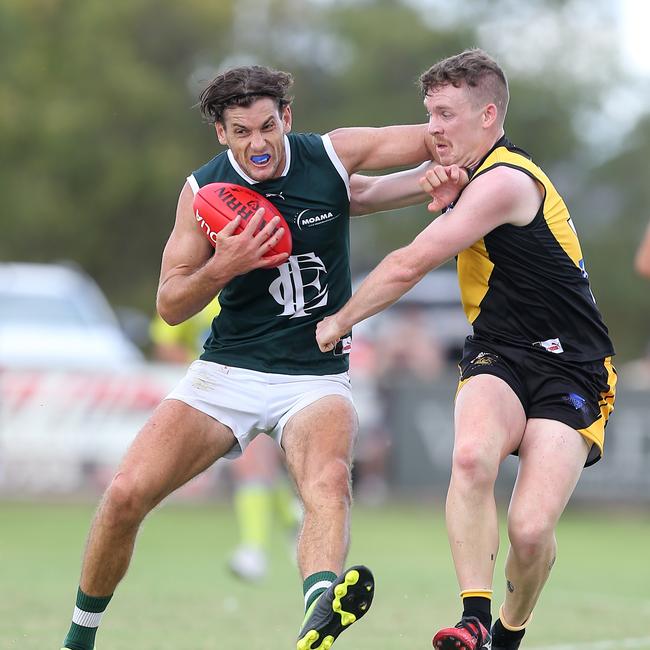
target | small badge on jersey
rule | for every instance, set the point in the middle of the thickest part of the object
(550, 345)
(344, 346)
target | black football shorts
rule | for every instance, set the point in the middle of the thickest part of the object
(579, 394)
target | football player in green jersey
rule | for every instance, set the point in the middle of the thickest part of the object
(536, 375)
(261, 371)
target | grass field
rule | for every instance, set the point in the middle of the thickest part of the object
(178, 595)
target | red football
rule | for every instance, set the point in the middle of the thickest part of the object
(216, 204)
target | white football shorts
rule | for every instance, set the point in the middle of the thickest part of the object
(252, 402)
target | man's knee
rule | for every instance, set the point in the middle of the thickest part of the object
(531, 536)
(475, 465)
(125, 502)
(330, 485)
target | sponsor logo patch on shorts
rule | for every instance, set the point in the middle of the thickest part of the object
(484, 359)
(577, 401)
(550, 345)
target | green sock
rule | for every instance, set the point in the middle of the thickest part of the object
(315, 584)
(85, 621)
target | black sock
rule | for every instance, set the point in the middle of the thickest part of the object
(503, 637)
(479, 607)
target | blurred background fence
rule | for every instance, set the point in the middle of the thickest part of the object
(99, 128)
(99, 125)
(63, 433)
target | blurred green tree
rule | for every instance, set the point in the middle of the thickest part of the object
(98, 127)
(615, 210)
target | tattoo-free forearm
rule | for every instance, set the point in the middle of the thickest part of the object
(182, 294)
(371, 194)
(388, 282)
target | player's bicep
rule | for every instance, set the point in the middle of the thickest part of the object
(484, 206)
(368, 148)
(187, 248)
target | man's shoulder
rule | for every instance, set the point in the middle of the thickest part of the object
(506, 154)
(306, 141)
(306, 136)
(315, 149)
(213, 166)
(505, 150)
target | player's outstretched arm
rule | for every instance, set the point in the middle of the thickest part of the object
(499, 196)
(369, 148)
(193, 272)
(429, 181)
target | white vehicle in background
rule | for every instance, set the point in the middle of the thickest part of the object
(74, 389)
(55, 316)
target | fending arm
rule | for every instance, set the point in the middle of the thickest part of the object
(370, 194)
(498, 197)
(429, 181)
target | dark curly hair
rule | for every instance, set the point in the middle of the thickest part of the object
(241, 87)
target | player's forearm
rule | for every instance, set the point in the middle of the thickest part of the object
(369, 194)
(181, 295)
(388, 282)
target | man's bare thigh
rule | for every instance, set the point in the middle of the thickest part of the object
(322, 431)
(176, 443)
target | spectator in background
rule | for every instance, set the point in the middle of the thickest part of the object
(404, 348)
(373, 443)
(409, 346)
(183, 342)
(261, 490)
(642, 258)
(637, 371)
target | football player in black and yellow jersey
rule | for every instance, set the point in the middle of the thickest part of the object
(261, 371)
(536, 374)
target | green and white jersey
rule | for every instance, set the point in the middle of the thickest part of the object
(268, 316)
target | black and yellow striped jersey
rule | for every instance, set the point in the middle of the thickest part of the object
(527, 285)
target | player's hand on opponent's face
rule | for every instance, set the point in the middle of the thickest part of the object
(245, 251)
(443, 184)
(328, 333)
